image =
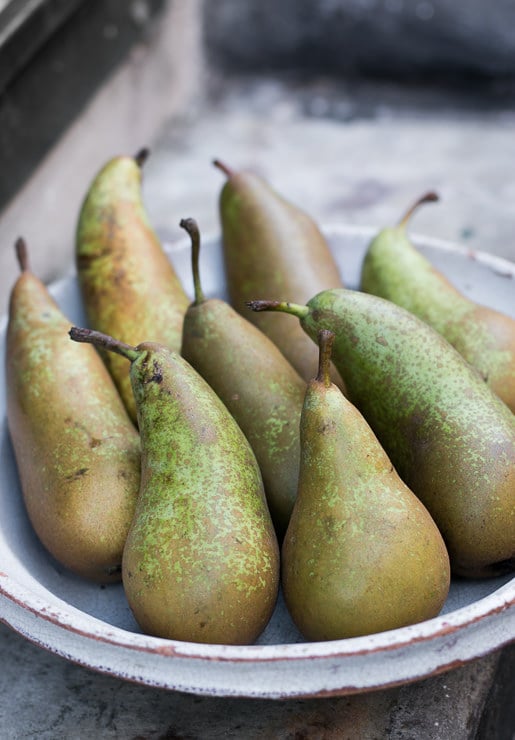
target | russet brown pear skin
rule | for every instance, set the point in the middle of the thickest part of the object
(77, 451)
(129, 287)
(394, 269)
(361, 553)
(201, 561)
(273, 248)
(256, 383)
(450, 438)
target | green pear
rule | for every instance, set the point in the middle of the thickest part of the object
(201, 561)
(76, 449)
(272, 247)
(394, 269)
(449, 437)
(129, 287)
(361, 553)
(256, 383)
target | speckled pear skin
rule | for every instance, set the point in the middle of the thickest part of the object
(361, 553)
(394, 269)
(201, 561)
(254, 380)
(449, 437)
(77, 451)
(129, 288)
(274, 249)
(259, 387)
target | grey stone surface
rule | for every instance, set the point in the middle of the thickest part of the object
(404, 38)
(46, 697)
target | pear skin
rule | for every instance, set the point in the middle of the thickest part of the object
(450, 438)
(361, 553)
(76, 449)
(129, 287)
(394, 269)
(201, 561)
(255, 382)
(272, 247)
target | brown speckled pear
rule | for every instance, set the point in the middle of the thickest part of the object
(361, 553)
(274, 249)
(254, 380)
(394, 269)
(201, 561)
(129, 287)
(449, 437)
(77, 451)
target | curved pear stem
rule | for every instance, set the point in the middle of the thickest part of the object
(285, 306)
(223, 167)
(103, 341)
(191, 227)
(22, 255)
(141, 157)
(430, 197)
(325, 344)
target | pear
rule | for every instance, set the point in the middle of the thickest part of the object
(271, 247)
(129, 287)
(393, 268)
(201, 561)
(256, 383)
(450, 438)
(361, 553)
(76, 449)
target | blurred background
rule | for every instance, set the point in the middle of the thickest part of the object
(352, 108)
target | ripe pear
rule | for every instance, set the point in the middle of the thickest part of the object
(393, 268)
(449, 437)
(361, 553)
(201, 561)
(256, 383)
(76, 449)
(129, 287)
(271, 247)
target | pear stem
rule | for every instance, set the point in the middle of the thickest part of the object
(325, 344)
(191, 227)
(223, 167)
(430, 197)
(22, 255)
(104, 341)
(141, 157)
(285, 306)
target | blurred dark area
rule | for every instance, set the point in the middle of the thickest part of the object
(402, 39)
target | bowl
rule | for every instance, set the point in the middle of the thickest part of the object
(92, 624)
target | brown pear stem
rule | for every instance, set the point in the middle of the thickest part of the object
(103, 341)
(430, 197)
(191, 227)
(285, 306)
(141, 157)
(22, 255)
(325, 344)
(224, 168)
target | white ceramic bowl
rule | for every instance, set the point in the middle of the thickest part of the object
(92, 625)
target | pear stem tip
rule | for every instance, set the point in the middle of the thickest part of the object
(285, 306)
(103, 341)
(325, 344)
(191, 227)
(429, 197)
(223, 168)
(142, 156)
(22, 255)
